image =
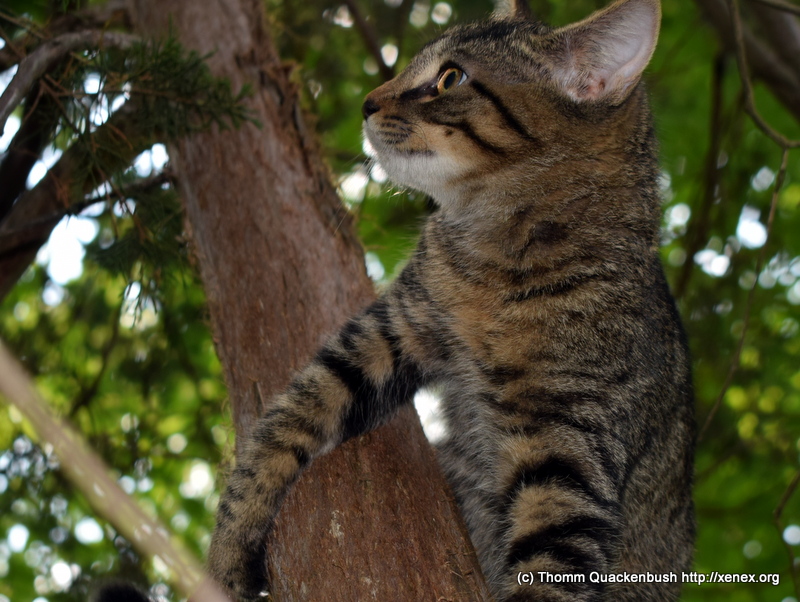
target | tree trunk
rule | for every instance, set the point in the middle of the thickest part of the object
(282, 268)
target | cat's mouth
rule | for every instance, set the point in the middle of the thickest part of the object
(393, 135)
(418, 167)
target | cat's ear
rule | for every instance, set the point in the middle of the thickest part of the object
(603, 56)
(512, 9)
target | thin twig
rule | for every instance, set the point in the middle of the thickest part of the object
(785, 145)
(750, 296)
(88, 393)
(25, 24)
(136, 188)
(370, 39)
(776, 518)
(45, 83)
(41, 60)
(738, 448)
(700, 225)
(401, 23)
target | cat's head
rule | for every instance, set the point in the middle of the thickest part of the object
(495, 96)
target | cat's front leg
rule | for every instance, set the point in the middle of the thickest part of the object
(355, 383)
(247, 509)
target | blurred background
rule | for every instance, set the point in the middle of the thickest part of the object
(110, 316)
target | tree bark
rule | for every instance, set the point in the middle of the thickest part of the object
(282, 267)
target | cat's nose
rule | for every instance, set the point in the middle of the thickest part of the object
(370, 107)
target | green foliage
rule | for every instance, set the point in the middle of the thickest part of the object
(146, 393)
(139, 383)
(178, 93)
(145, 247)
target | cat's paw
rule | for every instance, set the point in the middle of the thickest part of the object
(238, 566)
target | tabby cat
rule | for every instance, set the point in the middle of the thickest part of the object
(535, 300)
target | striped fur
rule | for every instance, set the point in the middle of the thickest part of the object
(535, 300)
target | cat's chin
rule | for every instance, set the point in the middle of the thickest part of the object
(428, 173)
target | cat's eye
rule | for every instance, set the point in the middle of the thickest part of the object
(450, 78)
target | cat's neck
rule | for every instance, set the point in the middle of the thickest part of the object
(557, 214)
(569, 192)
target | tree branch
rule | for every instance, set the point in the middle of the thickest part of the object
(778, 26)
(747, 86)
(34, 232)
(113, 13)
(90, 475)
(46, 56)
(9, 54)
(136, 188)
(28, 237)
(81, 169)
(401, 23)
(765, 64)
(27, 146)
(780, 5)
